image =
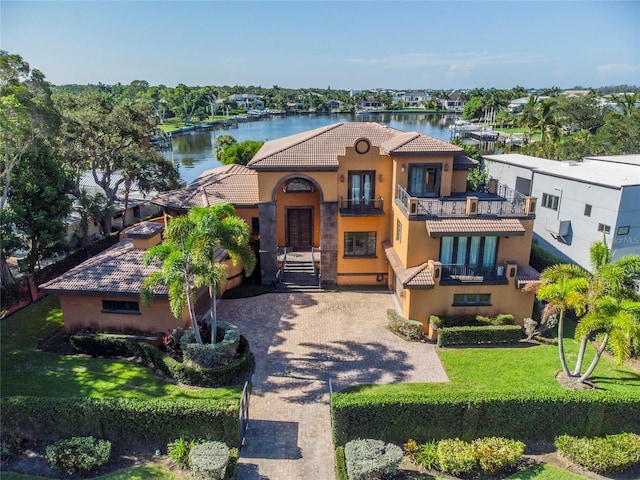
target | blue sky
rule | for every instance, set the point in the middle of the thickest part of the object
(337, 44)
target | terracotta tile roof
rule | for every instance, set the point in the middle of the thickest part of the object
(469, 226)
(412, 277)
(320, 148)
(527, 275)
(235, 184)
(116, 271)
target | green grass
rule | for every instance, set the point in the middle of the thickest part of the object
(26, 371)
(545, 472)
(134, 473)
(503, 369)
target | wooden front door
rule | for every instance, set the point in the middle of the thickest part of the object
(299, 228)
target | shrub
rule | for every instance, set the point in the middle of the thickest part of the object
(179, 449)
(506, 334)
(426, 455)
(610, 454)
(341, 467)
(495, 454)
(78, 453)
(208, 460)
(409, 329)
(456, 456)
(211, 355)
(368, 459)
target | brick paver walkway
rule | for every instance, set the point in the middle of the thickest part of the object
(300, 341)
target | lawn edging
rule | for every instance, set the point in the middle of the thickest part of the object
(128, 422)
(525, 415)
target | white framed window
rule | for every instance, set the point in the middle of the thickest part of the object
(550, 201)
(604, 228)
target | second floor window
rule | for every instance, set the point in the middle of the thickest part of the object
(424, 180)
(473, 251)
(361, 187)
(550, 201)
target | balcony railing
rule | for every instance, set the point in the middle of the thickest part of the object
(506, 202)
(361, 207)
(473, 273)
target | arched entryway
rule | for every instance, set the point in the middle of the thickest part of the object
(298, 214)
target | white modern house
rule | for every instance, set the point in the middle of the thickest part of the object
(578, 202)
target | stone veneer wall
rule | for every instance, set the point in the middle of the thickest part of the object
(329, 243)
(268, 242)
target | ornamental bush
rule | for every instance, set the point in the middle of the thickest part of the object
(409, 329)
(368, 459)
(456, 456)
(495, 454)
(179, 450)
(208, 460)
(78, 453)
(610, 454)
(211, 355)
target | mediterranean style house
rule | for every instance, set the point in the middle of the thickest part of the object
(386, 207)
(368, 204)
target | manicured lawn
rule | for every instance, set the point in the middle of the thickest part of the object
(134, 473)
(26, 371)
(503, 369)
(544, 472)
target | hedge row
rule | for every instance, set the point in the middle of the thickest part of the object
(478, 335)
(525, 416)
(409, 329)
(106, 346)
(125, 421)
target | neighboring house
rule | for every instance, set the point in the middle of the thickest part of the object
(579, 202)
(412, 99)
(453, 102)
(517, 105)
(245, 101)
(334, 105)
(387, 207)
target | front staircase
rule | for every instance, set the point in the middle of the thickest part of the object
(299, 274)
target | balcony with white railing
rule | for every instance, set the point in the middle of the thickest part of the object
(503, 202)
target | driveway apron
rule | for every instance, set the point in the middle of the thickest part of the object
(302, 342)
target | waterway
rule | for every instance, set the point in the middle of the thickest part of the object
(193, 152)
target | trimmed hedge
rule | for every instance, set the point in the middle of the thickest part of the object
(470, 320)
(125, 421)
(610, 454)
(505, 334)
(409, 329)
(106, 346)
(525, 416)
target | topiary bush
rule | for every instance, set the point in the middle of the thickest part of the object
(610, 454)
(409, 329)
(368, 459)
(208, 460)
(78, 453)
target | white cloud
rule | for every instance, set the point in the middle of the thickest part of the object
(615, 69)
(421, 60)
(560, 73)
(459, 69)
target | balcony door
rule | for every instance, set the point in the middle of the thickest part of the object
(424, 180)
(362, 188)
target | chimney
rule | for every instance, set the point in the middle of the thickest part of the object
(146, 234)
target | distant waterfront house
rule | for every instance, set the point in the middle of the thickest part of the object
(453, 102)
(245, 101)
(580, 202)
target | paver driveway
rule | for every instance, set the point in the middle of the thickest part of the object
(300, 342)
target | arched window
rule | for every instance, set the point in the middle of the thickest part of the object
(299, 185)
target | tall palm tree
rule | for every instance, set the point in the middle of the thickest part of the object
(563, 287)
(529, 117)
(178, 273)
(218, 227)
(547, 121)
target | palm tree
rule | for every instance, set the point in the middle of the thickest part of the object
(529, 117)
(218, 227)
(547, 121)
(562, 287)
(627, 102)
(178, 273)
(620, 322)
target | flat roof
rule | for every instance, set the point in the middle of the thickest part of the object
(608, 173)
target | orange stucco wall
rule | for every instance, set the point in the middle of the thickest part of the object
(459, 181)
(288, 200)
(446, 161)
(269, 182)
(84, 311)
